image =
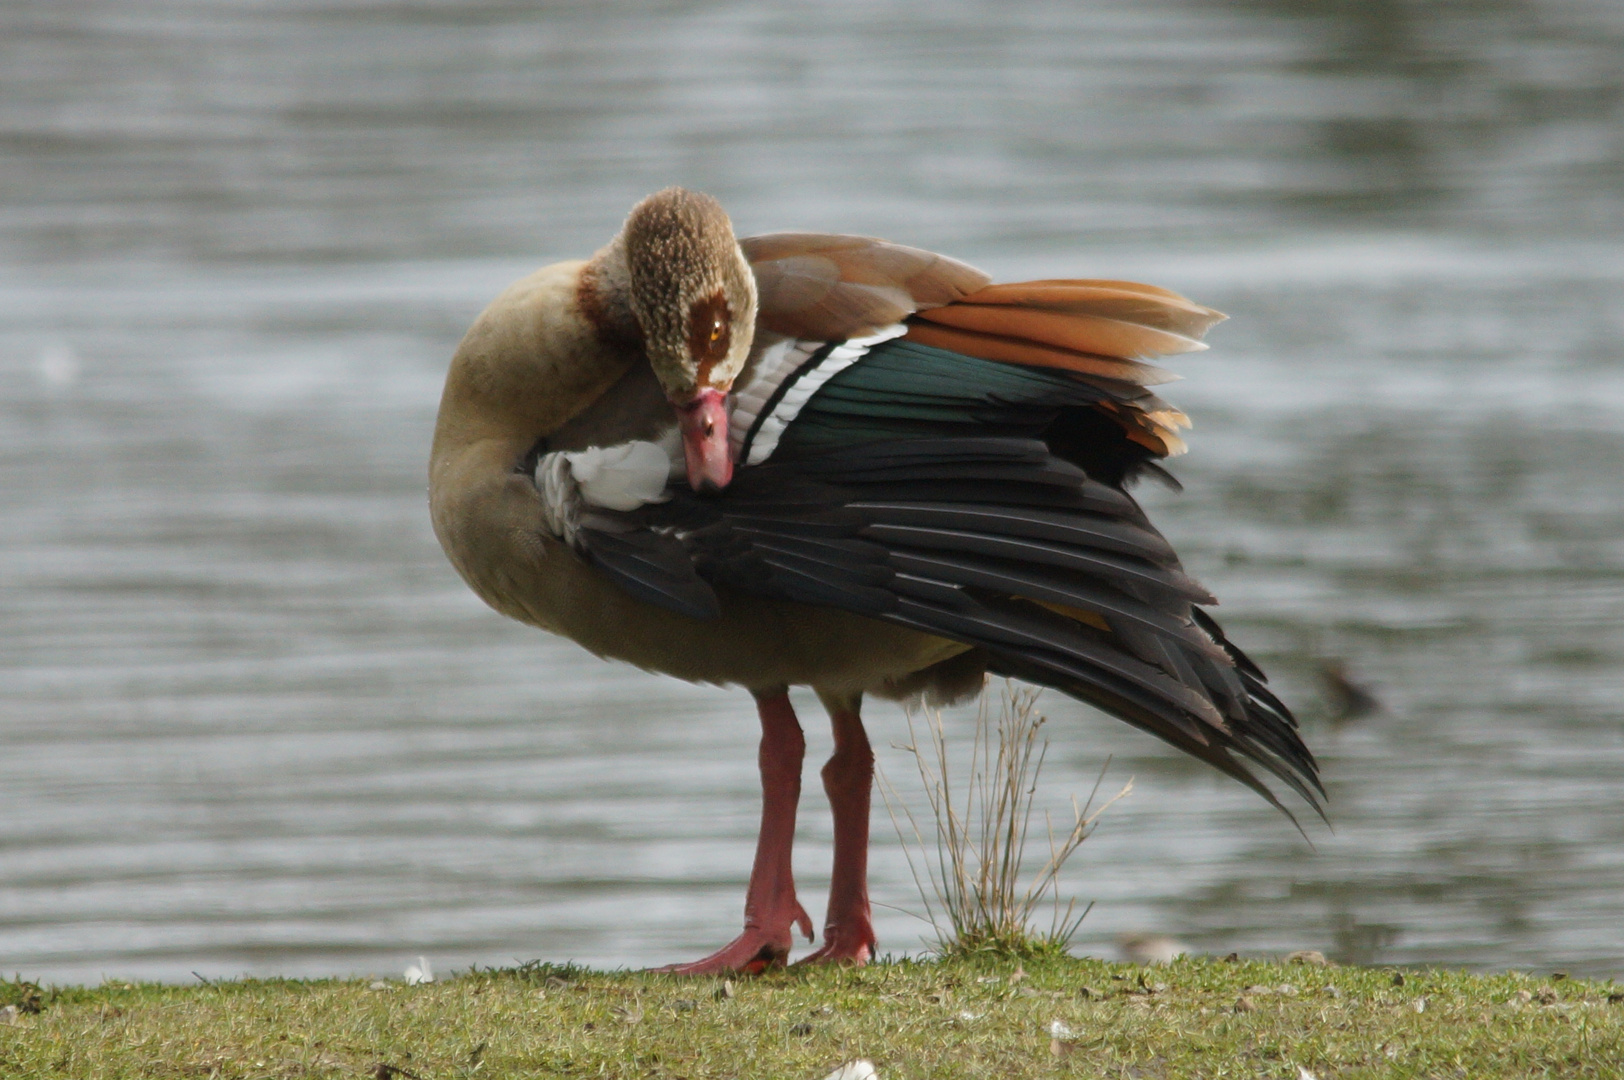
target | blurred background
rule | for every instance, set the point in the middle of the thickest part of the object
(251, 722)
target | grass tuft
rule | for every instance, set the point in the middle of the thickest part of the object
(978, 878)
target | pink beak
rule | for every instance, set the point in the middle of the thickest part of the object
(703, 419)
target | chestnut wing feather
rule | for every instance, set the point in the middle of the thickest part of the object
(830, 287)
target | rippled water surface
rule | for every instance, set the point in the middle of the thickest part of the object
(250, 721)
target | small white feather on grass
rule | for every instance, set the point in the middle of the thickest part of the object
(855, 1070)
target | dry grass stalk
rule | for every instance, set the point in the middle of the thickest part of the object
(981, 835)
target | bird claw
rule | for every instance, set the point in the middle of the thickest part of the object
(752, 952)
(853, 948)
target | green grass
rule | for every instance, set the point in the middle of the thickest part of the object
(958, 1018)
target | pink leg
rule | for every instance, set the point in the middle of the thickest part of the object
(848, 777)
(771, 911)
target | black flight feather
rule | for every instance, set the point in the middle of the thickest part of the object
(652, 569)
(980, 502)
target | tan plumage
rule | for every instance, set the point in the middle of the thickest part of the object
(534, 365)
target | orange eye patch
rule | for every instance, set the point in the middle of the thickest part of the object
(710, 332)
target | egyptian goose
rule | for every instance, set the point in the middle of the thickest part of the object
(831, 461)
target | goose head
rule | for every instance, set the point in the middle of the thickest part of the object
(694, 298)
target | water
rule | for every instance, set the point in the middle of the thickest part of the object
(251, 722)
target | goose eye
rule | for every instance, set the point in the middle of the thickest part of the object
(709, 333)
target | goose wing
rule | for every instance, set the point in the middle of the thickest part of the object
(977, 498)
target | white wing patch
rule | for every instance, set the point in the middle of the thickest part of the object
(786, 377)
(621, 477)
(632, 474)
(777, 364)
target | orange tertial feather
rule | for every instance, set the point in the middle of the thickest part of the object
(1127, 301)
(1072, 330)
(1097, 328)
(1015, 350)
